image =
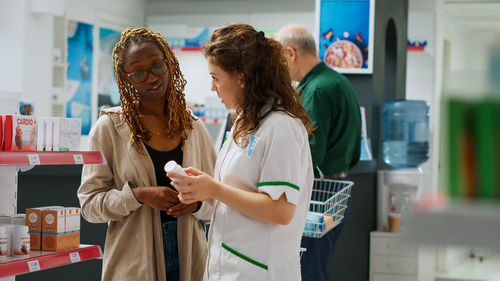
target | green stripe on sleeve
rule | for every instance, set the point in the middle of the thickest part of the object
(236, 253)
(279, 183)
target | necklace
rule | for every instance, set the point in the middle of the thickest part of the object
(157, 131)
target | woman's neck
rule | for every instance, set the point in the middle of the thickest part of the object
(152, 107)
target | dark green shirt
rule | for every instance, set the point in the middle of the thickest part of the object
(331, 102)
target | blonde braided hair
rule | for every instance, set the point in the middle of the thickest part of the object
(178, 119)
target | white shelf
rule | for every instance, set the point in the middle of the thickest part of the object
(40, 260)
(457, 222)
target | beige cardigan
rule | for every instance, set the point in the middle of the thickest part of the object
(134, 246)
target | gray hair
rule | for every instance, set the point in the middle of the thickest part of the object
(297, 37)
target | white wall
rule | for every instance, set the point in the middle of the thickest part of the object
(193, 64)
(26, 59)
(12, 31)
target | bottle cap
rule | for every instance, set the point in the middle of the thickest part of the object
(170, 166)
(21, 228)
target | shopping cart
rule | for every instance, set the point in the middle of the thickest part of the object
(327, 208)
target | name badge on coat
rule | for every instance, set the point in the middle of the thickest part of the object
(251, 145)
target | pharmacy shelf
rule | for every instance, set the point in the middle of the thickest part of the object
(40, 260)
(31, 158)
(455, 222)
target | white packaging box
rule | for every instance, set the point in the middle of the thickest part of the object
(40, 141)
(56, 133)
(72, 227)
(72, 219)
(70, 134)
(49, 131)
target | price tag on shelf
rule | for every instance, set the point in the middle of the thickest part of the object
(34, 265)
(34, 159)
(74, 257)
(78, 158)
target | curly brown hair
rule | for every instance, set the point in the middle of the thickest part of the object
(239, 48)
(178, 119)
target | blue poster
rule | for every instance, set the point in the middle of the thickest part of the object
(346, 34)
(79, 74)
(107, 95)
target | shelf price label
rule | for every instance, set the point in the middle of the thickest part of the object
(34, 265)
(78, 158)
(34, 159)
(74, 257)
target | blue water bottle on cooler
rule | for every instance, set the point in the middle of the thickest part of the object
(405, 133)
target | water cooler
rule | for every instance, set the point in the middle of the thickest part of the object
(405, 146)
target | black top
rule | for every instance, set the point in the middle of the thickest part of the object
(160, 158)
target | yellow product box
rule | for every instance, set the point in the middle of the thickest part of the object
(73, 227)
(53, 229)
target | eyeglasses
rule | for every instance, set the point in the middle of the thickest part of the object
(156, 69)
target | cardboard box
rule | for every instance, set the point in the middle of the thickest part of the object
(49, 132)
(73, 227)
(53, 229)
(1, 132)
(20, 133)
(40, 144)
(34, 223)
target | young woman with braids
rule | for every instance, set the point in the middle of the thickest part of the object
(151, 235)
(263, 174)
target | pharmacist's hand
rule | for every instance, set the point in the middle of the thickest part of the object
(195, 186)
(157, 197)
(183, 209)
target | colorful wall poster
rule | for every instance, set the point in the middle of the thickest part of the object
(107, 94)
(79, 73)
(346, 34)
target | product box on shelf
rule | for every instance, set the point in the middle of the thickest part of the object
(40, 144)
(70, 134)
(53, 229)
(62, 134)
(1, 132)
(34, 222)
(72, 228)
(49, 131)
(20, 133)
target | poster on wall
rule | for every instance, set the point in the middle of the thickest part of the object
(79, 74)
(107, 94)
(345, 36)
(183, 37)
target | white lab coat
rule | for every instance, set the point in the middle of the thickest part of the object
(277, 160)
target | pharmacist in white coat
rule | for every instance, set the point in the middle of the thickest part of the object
(263, 175)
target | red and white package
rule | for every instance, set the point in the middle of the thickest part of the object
(20, 133)
(1, 132)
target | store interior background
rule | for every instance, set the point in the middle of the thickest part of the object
(461, 35)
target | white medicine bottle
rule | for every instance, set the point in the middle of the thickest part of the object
(4, 242)
(21, 241)
(173, 167)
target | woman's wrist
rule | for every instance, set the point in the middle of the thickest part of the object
(138, 193)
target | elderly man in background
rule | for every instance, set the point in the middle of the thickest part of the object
(331, 102)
